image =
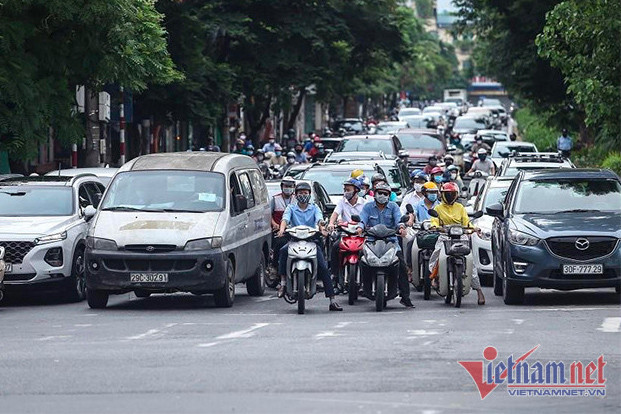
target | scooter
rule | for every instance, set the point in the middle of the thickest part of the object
(301, 266)
(2, 270)
(380, 266)
(426, 242)
(350, 248)
(455, 263)
(478, 179)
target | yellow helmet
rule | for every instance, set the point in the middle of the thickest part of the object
(430, 186)
(356, 173)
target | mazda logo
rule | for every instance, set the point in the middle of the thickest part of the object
(582, 244)
(151, 248)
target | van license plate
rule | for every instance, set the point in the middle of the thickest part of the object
(585, 269)
(8, 267)
(148, 277)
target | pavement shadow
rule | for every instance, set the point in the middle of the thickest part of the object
(573, 297)
(175, 302)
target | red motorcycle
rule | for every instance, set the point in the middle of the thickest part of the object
(350, 248)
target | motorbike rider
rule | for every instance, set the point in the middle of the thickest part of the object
(304, 213)
(278, 205)
(483, 164)
(419, 178)
(290, 162)
(365, 185)
(429, 201)
(239, 147)
(211, 146)
(379, 178)
(478, 144)
(451, 212)
(437, 175)
(351, 204)
(312, 153)
(384, 211)
(300, 155)
(452, 175)
(278, 158)
(431, 164)
(270, 146)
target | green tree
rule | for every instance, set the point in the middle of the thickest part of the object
(47, 47)
(581, 39)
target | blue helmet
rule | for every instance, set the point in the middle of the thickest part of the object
(419, 175)
(353, 181)
(415, 172)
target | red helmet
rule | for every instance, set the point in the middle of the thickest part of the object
(436, 170)
(317, 139)
(449, 192)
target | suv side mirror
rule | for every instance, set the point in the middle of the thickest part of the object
(496, 210)
(241, 203)
(1, 252)
(89, 212)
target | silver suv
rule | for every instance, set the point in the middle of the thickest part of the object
(43, 228)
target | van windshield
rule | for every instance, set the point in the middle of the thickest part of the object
(166, 191)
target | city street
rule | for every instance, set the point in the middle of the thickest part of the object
(178, 353)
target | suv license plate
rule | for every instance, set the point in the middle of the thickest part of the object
(586, 269)
(8, 267)
(148, 277)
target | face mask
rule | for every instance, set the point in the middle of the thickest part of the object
(433, 197)
(482, 157)
(278, 153)
(418, 187)
(272, 141)
(362, 193)
(260, 158)
(287, 191)
(299, 151)
(438, 178)
(290, 160)
(348, 195)
(381, 198)
(303, 199)
(448, 163)
(433, 163)
(453, 176)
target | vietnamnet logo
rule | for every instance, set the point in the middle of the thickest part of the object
(526, 379)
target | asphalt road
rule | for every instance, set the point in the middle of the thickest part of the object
(178, 353)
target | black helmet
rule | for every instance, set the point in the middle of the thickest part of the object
(303, 186)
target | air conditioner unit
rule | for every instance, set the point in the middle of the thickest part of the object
(104, 106)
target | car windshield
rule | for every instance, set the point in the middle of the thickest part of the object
(36, 201)
(349, 125)
(390, 128)
(417, 121)
(394, 178)
(366, 145)
(166, 190)
(491, 102)
(469, 123)
(420, 141)
(503, 151)
(332, 180)
(493, 196)
(568, 195)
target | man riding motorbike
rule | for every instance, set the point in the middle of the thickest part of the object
(452, 175)
(451, 212)
(437, 175)
(478, 144)
(383, 211)
(350, 205)
(429, 201)
(378, 179)
(419, 178)
(483, 164)
(304, 213)
(279, 204)
(431, 164)
(278, 158)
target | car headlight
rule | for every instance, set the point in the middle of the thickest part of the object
(485, 234)
(96, 243)
(51, 238)
(522, 239)
(204, 244)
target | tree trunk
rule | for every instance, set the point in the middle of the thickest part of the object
(91, 155)
(296, 108)
(256, 122)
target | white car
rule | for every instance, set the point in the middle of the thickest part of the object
(502, 150)
(409, 112)
(493, 192)
(104, 174)
(43, 230)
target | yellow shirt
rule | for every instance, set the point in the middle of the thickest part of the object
(450, 214)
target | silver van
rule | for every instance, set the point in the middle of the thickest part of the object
(189, 222)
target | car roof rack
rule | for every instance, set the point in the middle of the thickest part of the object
(537, 157)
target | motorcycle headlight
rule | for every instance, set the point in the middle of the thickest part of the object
(51, 238)
(204, 244)
(522, 239)
(96, 243)
(456, 231)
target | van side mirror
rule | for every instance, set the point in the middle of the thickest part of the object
(241, 203)
(89, 212)
(496, 210)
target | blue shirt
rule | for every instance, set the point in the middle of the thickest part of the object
(300, 158)
(389, 216)
(269, 147)
(295, 216)
(421, 211)
(564, 143)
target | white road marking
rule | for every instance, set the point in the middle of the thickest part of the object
(610, 325)
(83, 325)
(327, 334)
(341, 325)
(518, 321)
(508, 331)
(429, 321)
(266, 298)
(148, 333)
(422, 332)
(244, 333)
(91, 314)
(208, 345)
(50, 338)
(427, 343)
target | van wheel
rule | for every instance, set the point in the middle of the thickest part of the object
(76, 283)
(97, 299)
(225, 296)
(256, 284)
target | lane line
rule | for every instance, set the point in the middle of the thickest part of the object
(610, 325)
(244, 333)
(148, 333)
(518, 321)
(208, 345)
(52, 337)
(327, 334)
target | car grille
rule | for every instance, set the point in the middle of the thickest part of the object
(566, 247)
(145, 265)
(150, 248)
(10, 277)
(15, 251)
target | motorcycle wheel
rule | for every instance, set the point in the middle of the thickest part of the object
(458, 285)
(426, 282)
(379, 293)
(352, 288)
(301, 291)
(449, 294)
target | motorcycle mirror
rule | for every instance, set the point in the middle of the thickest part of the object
(409, 208)
(355, 218)
(476, 215)
(432, 213)
(404, 219)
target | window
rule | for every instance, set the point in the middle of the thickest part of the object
(258, 187)
(83, 195)
(246, 188)
(95, 193)
(36, 201)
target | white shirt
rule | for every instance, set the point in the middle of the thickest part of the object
(345, 209)
(410, 198)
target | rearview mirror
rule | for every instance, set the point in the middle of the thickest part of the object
(476, 215)
(89, 212)
(495, 210)
(432, 213)
(355, 218)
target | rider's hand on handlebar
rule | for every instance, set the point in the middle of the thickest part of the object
(330, 227)
(280, 233)
(359, 231)
(275, 227)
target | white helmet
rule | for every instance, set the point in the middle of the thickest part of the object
(482, 151)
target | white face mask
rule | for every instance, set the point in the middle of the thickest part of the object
(453, 176)
(418, 188)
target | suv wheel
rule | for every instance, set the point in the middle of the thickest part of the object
(97, 299)
(512, 293)
(76, 286)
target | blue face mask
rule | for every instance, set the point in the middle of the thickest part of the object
(433, 197)
(438, 178)
(278, 153)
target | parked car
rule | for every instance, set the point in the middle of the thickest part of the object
(387, 144)
(557, 229)
(502, 149)
(189, 222)
(43, 229)
(421, 144)
(104, 174)
(513, 164)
